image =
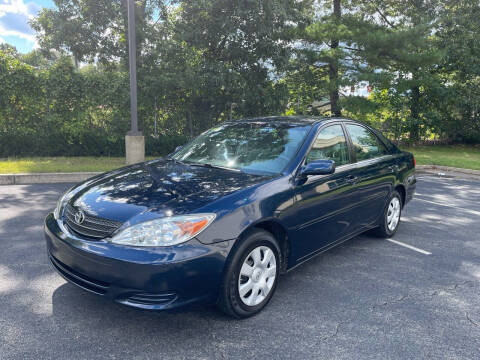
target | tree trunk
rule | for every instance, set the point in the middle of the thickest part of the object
(333, 66)
(189, 124)
(414, 114)
(75, 60)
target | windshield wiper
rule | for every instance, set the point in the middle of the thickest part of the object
(176, 161)
(211, 166)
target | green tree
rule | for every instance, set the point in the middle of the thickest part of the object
(97, 29)
(320, 59)
(241, 46)
(389, 44)
(395, 48)
(457, 36)
(202, 62)
(199, 62)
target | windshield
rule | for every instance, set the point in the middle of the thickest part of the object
(253, 147)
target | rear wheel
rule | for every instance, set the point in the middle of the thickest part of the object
(390, 218)
(251, 276)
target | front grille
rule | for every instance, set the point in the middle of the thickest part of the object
(92, 226)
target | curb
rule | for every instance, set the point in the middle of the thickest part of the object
(427, 168)
(50, 178)
(45, 178)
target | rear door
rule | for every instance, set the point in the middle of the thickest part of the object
(373, 174)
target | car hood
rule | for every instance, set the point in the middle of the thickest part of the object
(157, 187)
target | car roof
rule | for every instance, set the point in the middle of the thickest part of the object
(299, 120)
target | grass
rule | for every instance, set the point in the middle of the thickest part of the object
(460, 156)
(60, 164)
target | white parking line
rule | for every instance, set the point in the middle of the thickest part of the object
(410, 247)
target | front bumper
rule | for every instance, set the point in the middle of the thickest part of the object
(147, 278)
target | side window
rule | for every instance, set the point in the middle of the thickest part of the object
(365, 143)
(330, 144)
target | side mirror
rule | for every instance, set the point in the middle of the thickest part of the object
(319, 167)
(177, 148)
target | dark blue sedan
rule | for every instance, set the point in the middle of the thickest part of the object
(222, 217)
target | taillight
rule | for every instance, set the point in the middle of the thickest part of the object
(414, 162)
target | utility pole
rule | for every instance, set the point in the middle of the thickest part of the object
(134, 140)
(333, 64)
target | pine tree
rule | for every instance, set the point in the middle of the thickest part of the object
(322, 49)
(388, 44)
(394, 43)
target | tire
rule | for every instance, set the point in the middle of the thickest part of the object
(386, 227)
(259, 252)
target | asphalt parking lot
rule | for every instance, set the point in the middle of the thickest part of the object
(367, 299)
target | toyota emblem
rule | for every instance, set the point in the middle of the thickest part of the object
(79, 217)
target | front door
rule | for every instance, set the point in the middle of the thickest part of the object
(321, 213)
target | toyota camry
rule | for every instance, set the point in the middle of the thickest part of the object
(221, 218)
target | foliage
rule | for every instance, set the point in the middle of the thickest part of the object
(204, 62)
(62, 111)
(419, 57)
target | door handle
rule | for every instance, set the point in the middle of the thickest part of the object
(393, 168)
(351, 179)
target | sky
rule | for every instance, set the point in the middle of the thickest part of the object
(14, 17)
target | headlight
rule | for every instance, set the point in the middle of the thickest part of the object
(165, 231)
(61, 204)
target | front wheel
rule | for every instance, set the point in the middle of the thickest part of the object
(251, 276)
(390, 218)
